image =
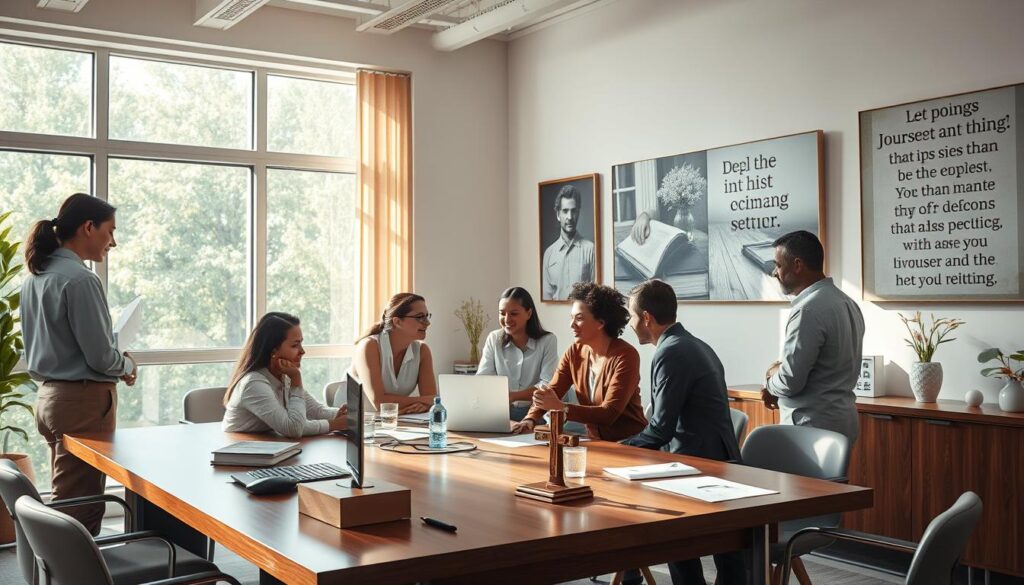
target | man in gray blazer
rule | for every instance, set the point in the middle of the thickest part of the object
(691, 408)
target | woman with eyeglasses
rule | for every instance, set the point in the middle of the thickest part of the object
(604, 369)
(392, 361)
(266, 392)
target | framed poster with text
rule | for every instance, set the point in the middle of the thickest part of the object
(704, 221)
(942, 200)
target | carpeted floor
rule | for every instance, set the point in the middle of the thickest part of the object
(821, 571)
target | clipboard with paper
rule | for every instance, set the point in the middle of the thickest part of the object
(129, 320)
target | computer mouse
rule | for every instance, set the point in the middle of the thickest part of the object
(271, 485)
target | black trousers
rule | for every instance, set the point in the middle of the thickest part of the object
(731, 566)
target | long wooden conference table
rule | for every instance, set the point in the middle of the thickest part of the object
(501, 538)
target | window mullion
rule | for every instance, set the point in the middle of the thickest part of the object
(258, 265)
(101, 98)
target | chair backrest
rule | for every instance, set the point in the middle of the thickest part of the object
(739, 422)
(799, 450)
(64, 549)
(331, 392)
(204, 405)
(13, 485)
(944, 541)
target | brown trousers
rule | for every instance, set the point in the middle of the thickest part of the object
(69, 408)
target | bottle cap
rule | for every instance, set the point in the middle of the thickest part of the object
(437, 400)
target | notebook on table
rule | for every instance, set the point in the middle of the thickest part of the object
(254, 453)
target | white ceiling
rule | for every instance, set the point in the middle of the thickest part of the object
(456, 23)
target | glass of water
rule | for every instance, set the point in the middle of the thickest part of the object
(575, 461)
(389, 415)
(369, 429)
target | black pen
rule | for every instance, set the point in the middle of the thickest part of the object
(438, 524)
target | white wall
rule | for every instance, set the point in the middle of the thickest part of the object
(635, 79)
(459, 132)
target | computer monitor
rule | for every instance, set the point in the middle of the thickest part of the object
(354, 450)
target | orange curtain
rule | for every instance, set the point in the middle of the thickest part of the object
(384, 203)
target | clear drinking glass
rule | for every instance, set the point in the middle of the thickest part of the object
(369, 429)
(575, 461)
(389, 415)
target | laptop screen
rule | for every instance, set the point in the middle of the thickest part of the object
(354, 450)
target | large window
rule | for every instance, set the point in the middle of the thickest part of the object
(235, 191)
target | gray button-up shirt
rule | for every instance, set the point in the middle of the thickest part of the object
(821, 361)
(66, 324)
(524, 368)
(565, 264)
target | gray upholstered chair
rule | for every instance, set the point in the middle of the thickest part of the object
(331, 393)
(805, 451)
(739, 422)
(203, 405)
(935, 557)
(66, 553)
(133, 563)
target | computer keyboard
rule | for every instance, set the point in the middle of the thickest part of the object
(299, 473)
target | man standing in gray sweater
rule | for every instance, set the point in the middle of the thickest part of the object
(813, 382)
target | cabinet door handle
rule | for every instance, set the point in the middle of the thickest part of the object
(879, 416)
(941, 423)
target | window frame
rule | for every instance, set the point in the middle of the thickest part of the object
(100, 149)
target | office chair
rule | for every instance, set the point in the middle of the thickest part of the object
(806, 451)
(203, 405)
(331, 391)
(739, 422)
(66, 553)
(935, 557)
(132, 563)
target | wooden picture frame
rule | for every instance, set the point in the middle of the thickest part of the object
(718, 212)
(942, 198)
(563, 263)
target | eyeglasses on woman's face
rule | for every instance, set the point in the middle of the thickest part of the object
(422, 317)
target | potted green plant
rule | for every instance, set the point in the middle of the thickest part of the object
(1011, 397)
(926, 375)
(13, 385)
(681, 189)
(474, 319)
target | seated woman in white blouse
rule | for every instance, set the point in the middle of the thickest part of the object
(521, 350)
(392, 361)
(266, 393)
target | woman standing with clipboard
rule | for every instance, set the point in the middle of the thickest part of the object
(69, 344)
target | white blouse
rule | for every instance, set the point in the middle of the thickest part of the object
(404, 381)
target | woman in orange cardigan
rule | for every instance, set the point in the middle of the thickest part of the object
(604, 369)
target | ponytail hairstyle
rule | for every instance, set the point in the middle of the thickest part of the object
(49, 234)
(267, 336)
(534, 330)
(400, 305)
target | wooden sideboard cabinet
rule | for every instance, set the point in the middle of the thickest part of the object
(920, 457)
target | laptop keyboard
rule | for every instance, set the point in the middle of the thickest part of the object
(299, 473)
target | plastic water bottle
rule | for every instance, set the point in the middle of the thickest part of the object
(438, 425)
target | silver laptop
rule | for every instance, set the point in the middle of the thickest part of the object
(475, 403)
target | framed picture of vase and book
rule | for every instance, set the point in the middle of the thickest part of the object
(704, 221)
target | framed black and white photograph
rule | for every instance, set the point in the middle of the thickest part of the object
(704, 221)
(570, 245)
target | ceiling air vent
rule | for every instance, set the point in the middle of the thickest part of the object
(223, 14)
(403, 15)
(67, 5)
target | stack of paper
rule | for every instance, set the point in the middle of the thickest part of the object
(255, 453)
(673, 469)
(709, 489)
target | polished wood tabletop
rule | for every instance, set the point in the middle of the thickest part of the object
(500, 538)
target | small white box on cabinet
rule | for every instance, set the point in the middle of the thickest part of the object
(870, 383)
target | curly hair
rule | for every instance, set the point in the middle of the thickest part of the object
(605, 303)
